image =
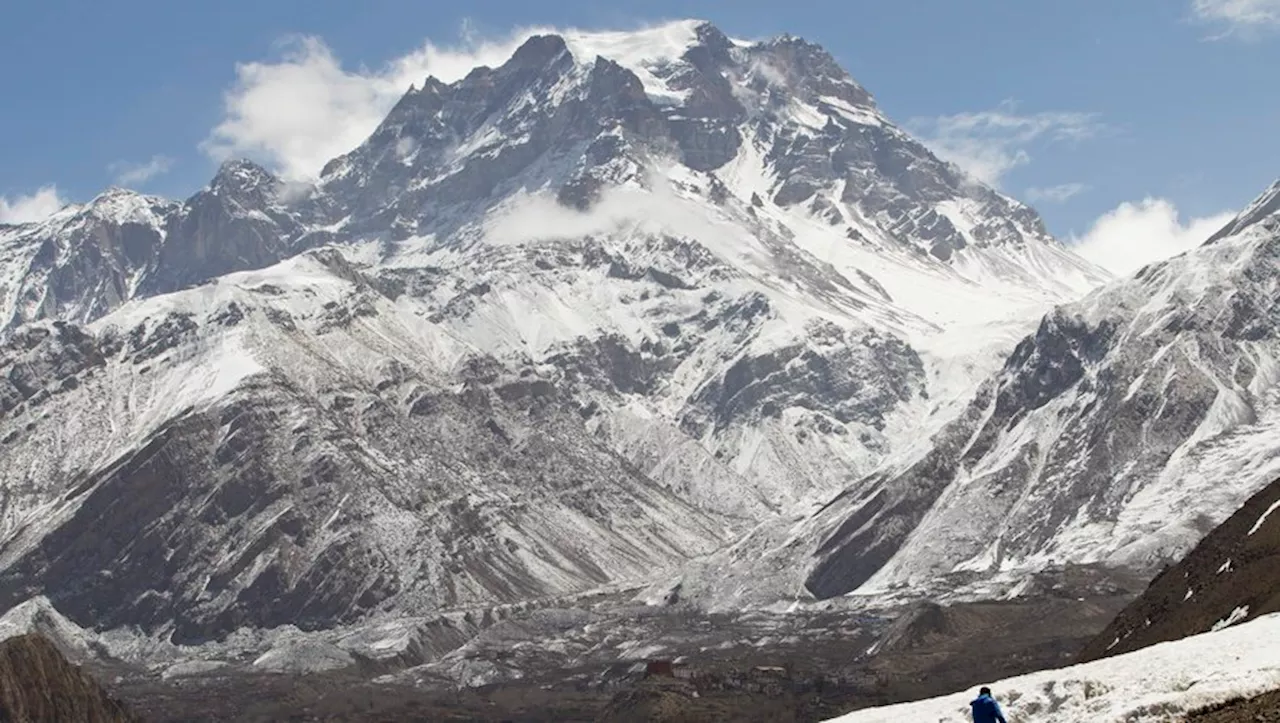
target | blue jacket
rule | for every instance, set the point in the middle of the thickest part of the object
(987, 710)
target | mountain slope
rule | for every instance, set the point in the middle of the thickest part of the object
(1230, 577)
(1124, 429)
(1108, 437)
(300, 449)
(696, 169)
(84, 261)
(81, 262)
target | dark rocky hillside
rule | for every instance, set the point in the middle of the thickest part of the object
(1232, 576)
(1264, 708)
(39, 685)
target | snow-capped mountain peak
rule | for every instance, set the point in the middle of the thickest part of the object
(1262, 210)
(662, 276)
(240, 176)
(652, 54)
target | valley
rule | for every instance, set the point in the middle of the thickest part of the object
(650, 346)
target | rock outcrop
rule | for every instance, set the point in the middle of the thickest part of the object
(39, 685)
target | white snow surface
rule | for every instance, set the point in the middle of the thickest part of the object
(1158, 683)
(640, 51)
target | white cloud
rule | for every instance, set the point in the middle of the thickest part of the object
(1056, 194)
(302, 110)
(989, 144)
(1133, 235)
(1238, 16)
(131, 174)
(659, 209)
(34, 207)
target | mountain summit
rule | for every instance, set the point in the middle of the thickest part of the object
(566, 322)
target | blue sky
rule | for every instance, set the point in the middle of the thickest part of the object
(1155, 112)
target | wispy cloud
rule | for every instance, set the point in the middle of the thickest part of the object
(1056, 194)
(33, 207)
(988, 144)
(1135, 234)
(132, 174)
(658, 209)
(300, 111)
(1238, 17)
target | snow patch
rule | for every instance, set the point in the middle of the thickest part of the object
(304, 656)
(1263, 519)
(1236, 616)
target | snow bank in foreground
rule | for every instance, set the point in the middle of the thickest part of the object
(1153, 684)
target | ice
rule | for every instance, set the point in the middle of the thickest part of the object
(1153, 684)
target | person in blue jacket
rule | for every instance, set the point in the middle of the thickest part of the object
(986, 709)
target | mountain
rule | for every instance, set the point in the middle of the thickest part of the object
(83, 261)
(567, 322)
(1229, 578)
(708, 210)
(87, 260)
(1125, 428)
(291, 446)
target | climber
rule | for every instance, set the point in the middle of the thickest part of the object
(986, 709)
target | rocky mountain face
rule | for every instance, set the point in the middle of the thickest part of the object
(722, 249)
(1230, 577)
(1128, 426)
(82, 262)
(570, 321)
(38, 684)
(209, 460)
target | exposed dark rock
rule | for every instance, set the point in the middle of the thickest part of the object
(39, 685)
(852, 380)
(1263, 708)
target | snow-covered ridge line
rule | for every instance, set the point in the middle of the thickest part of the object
(1153, 684)
(1267, 204)
(808, 289)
